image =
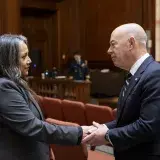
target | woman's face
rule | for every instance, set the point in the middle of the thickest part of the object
(24, 59)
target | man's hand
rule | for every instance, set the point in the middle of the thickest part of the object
(88, 130)
(97, 137)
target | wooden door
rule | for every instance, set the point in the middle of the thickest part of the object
(39, 26)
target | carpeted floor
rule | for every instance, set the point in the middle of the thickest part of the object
(98, 155)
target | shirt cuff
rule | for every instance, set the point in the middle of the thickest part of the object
(109, 138)
(107, 135)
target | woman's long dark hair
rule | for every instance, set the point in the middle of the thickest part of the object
(9, 60)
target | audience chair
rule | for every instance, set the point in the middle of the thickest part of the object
(75, 152)
(74, 112)
(53, 108)
(114, 113)
(68, 152)
(100, 114)
(40, 100)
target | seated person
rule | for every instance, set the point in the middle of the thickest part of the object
(78, 69)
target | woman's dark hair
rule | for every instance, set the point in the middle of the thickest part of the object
(9, 59)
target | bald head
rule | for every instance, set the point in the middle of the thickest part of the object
(131, 30)
(127, 45)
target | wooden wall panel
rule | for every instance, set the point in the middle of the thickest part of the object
(87, 24)
(13, 16)
(77, 24)
(40, 4)
(39, 26)
(149, 21)
(10, 16)
(102, 17)
(68, 29)
(2, 17)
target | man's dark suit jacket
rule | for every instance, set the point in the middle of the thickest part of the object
(78, 71)
(23, 134)
(136, 130)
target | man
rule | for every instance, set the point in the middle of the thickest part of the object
(78, 69)
(136, 131)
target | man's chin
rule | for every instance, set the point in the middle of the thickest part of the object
(116, 65)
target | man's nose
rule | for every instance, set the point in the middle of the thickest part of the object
(29, 60)
(109, 51)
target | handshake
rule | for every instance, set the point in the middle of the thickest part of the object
(95, 134)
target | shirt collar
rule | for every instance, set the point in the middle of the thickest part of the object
(138, 63)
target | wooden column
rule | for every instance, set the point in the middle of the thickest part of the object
(149, 21)
(10, 17)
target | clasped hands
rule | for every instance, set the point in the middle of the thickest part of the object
(95, 134)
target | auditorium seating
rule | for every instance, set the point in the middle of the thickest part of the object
(55, 112)
(74, 112)
(98, 113)
(114, 113)
(68, 112)
(68, 152)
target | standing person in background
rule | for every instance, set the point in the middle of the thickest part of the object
(78, 69)
(24, 135)
(135, 134)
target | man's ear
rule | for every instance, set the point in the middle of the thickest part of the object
(131, 43)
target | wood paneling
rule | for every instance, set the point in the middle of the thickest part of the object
(70, 25)
(101, 18)
(149, 20)
(10, 16)
(68, 28)
(2, 17)
(87, 24)
(39, 26)
(40, 4)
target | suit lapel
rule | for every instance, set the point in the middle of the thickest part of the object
(26, 94)
(38, 108)
(123, 99)
(119, 102)
(134, 80)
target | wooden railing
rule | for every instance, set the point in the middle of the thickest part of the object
(61, 88)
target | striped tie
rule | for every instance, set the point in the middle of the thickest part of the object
(126, 83)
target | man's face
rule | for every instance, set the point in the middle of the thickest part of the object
(77, 57)
(119, 50)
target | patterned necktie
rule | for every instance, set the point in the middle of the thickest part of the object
(126, 84)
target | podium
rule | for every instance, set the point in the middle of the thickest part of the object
(61, 88)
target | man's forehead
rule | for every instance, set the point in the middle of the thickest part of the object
(117, 34)
(113, 37)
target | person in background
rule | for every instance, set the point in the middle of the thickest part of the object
(54, 72)
(78, 69)
(135, 133)
(24, 134)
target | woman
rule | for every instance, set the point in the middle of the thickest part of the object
(23, 133)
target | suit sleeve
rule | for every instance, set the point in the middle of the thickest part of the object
(146, 128)
(15, 114)
(111, 124)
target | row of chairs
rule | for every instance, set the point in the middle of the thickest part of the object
(66, 112)
(76, 112)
